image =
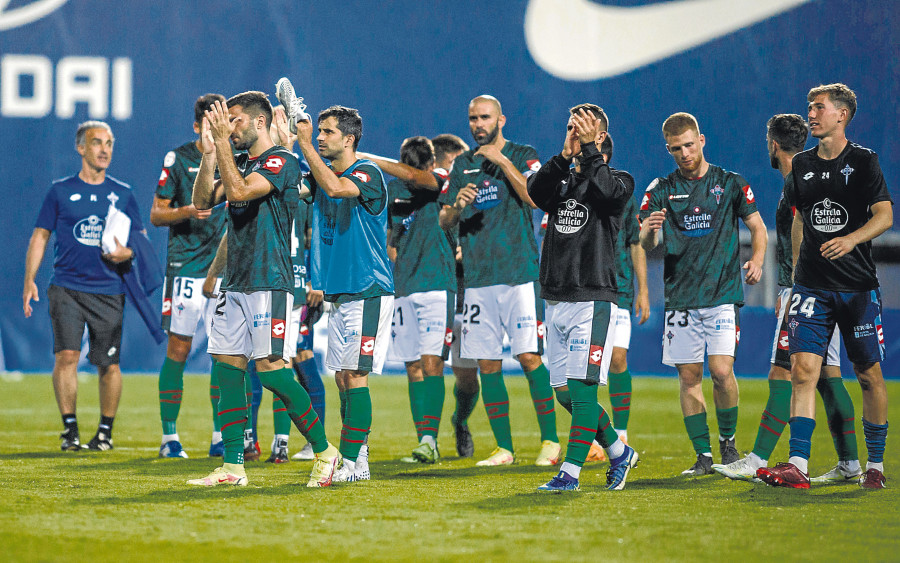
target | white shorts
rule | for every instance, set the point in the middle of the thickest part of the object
(359, 333)
(255, 325)
(623, 328)
(422, 325)
(456, 360)
(687, 334)
(298, 315)
(490, 311)
(781, 355)
(184, 306)
(579, 340)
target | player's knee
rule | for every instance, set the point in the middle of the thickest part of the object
(67, 358)
(178, 347)
(868, 376)
(529, 361)
(619, 361)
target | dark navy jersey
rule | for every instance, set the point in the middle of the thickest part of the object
(834, 198)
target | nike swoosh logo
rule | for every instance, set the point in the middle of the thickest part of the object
(622, 39)
(23, 15)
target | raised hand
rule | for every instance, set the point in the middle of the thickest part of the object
(207, 144)
(587, 127)
(220, 123)
(571, 146)
(491, 153)
(465, 196)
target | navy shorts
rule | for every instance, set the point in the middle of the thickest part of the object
(813, 313)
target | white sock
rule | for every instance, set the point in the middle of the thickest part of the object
(756, 460)
(852, 466)
(872, 465)
(615, 450)
(216, 437)
(350, 465)
(801, 463)
(278, 437)
(571, 469)
(623, 435)
(430, 440)
(169, 437)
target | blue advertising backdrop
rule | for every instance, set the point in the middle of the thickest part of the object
(410, 67)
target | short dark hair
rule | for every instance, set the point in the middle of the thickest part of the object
(447, 143)
(254, 104)
(594, 109)
(839, 94)
(349, 122)
(789, 130)
(417, 152)
(606, 147)
(205, 102)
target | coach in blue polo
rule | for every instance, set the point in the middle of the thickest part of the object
(86, 288)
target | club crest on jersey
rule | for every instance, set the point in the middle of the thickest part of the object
(367, 346)
(828, 216)
(717, 191)
(670, 335)
(748, 193)
(163, 176)
(595, 355)
(488, 196)
(278, 327)
(570, 217)
(169, 160)
(846, 171)
(274, 164)
(698, 223)
(793, 326)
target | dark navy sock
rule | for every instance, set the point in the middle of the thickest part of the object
(876, 436)
(801, 436)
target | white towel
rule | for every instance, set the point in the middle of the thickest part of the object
(117, 226)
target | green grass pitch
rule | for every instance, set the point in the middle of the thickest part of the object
(128, 505)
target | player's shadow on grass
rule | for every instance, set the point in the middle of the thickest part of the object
(180, 492)
(43, 455)
(525, 502)
(399, 470)
(822, 495)
(160, 467)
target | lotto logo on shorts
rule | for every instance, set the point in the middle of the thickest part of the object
(367, 346)
(304, 330)
(737, 335)
(540, 329)
(596, 355)
(167, 307)
(880, 334)
(278, 328)
(783, 340)
(448, 337)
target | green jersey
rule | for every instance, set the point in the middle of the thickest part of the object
(425, 252)
(784, 219)
(192, 243)
(629, 234)
(496, 230)
(700, 236)
(259, 231)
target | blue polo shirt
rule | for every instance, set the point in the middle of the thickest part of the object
(76, 212)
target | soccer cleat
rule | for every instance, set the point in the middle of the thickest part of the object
(619, 468)
(99, 443)
(465, 447)
(279, 452)
(324, 467)
(172, 448)
(729, 451)
(743, 469)
(346, 473)
(596, 453)
(306, 454)
(220, 476)
(703, 466)
(783, 475)
(251, 451)
(562, 482)
(872, 479)
(409, 459)
(840, 473)
(217, 449)
(550, 452)
(426, 453)
(362, 464)
(293, 106)
(71, 442)
(500, 456)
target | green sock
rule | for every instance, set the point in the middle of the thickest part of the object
(585, 414)
(357, 423)
(841, 417)
(343, 396)
(606, 434)
(542, 397)
(214, 397)
(698, 432)
(171, 387)
(564, 398)
(465, 404)
(417, 404)
(496, 403)
(620, 398)
(299, 409)
(727, 419)
(433, 404)
(232, 410)
(280, 416)
(774, 418)
(248, 392)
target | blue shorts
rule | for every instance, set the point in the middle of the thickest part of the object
(813, 313)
